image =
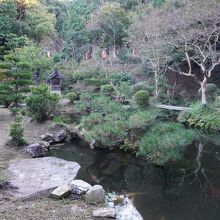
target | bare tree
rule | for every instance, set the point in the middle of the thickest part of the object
(190, 32)
(193, 31)
(146, 37)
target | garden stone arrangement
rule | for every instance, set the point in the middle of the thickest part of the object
(33, 177)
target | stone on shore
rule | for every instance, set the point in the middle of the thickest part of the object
(95, 195)
(60, 136)
(36, 150)
(61, 191)
(38, 176)
(47, 137)
(79, 187)
(104, 213)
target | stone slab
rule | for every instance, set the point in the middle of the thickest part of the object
(35, 177)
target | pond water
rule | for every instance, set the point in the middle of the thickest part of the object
(185, 190)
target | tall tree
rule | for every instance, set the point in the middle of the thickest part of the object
(193, 33)
(17, 77)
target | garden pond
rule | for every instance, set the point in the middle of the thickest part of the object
(188, 189)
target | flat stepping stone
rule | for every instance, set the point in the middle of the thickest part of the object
(33, 177)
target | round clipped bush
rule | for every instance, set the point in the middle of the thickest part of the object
(142, 98)
(107, 89)
(72, 96)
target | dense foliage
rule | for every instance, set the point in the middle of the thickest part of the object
(17, 132)
(120, 58)
(42, 103)
(166, 141)
(201, 117)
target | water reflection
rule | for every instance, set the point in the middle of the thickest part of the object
(185, 190)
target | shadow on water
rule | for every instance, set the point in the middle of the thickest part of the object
(185, 190)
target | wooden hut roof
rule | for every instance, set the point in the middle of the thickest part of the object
(55, 74)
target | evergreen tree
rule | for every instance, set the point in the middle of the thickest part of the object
(16, 78)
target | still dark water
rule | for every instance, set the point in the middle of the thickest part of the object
(185, 190)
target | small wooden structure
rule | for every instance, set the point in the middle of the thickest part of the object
(55, 80)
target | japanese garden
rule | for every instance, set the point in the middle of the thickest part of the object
(110, 109)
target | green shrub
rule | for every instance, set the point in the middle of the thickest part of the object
(166, 141)
(108, 134)
(117, 78)
(201, 117)
(107, 89)
(88, 122)
(42, 103)
(14, 111)
(94, 82)
(72, 96)
(124, 89)
(85, 72)
(142, 119)
(142, 98)
(107, 124)
(17, 132)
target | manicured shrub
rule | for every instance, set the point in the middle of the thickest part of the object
(88, 122)
(166, 141)
(107, 124)
(108, 134)
(17, 132)
(142, 98)
(142, 119)
(72, 96)
(42, 103)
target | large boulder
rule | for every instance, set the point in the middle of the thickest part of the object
(79, 187)
(61, 191)
(35, 177)
(95, 195)
(104, 213)
(36, 150)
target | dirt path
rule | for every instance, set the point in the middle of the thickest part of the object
(6, 152)
(5, 119)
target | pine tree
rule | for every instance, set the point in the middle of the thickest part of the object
(16, 78)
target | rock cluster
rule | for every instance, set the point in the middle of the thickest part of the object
(40, 149)
(78, 187)
(94, 195)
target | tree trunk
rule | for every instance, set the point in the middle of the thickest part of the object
(203, 90)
